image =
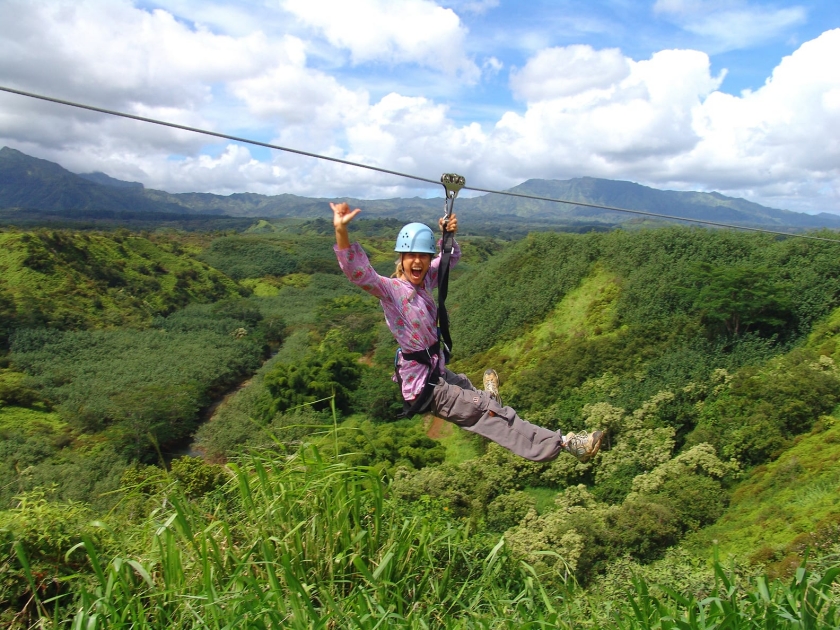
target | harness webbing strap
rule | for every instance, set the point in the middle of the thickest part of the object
(443, 289)
(452, 183)
(424, 398)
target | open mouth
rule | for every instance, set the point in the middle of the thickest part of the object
(416, 272)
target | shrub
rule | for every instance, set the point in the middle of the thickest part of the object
(735, 298)
(36, 540)
(697, 500)
(517, 288)
(763, 408)
(197, 477)
(249, 257)
(507, 510)
(377, 396)
(387, 446)
(15, 391)
(328, 371)
(357, 316)
(644, 528)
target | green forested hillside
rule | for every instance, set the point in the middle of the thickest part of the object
(79, 280)
(101, 364)
(710, 357)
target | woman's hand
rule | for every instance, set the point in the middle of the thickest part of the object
(342, 215)
(451, 225)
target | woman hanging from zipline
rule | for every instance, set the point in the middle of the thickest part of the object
(425, 382)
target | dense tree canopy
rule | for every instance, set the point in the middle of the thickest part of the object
(738, 298)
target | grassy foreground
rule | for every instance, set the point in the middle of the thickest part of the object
(304, 542)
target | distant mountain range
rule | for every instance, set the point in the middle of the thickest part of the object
(28, 183)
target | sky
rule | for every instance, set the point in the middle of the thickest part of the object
(736, 96)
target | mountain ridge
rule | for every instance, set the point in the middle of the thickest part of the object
(36, 184)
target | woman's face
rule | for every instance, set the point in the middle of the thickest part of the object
(415, 267)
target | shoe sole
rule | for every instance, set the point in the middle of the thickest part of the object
(596, 446)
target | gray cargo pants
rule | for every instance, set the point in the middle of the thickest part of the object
(456, 400)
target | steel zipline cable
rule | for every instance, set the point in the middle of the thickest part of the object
(378, 169)
(215, 134)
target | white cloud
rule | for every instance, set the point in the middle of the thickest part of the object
(660, 121)
(110, 54)
(398, 127)
(492, 66)
(472, 6)
(120, 53)
(666, 123)
(731, 25)
(558, 72)
(295, 94)
(603, 119)
(236, 19)
(786, 131)
(113, 55)
(223, 173)
(407, 134)
(410, 31)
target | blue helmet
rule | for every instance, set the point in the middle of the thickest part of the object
(416, 237)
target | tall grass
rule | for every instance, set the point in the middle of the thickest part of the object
(805, 602)
(305, 542)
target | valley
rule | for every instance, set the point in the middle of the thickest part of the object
(710, 356)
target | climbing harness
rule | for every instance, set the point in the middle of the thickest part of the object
(424, 399)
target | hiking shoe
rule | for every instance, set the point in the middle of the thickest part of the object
(583, 445)
(491, 385)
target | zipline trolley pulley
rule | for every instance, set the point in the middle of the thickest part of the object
(453, 184)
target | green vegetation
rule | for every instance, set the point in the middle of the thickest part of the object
(241, 257)
(710, 357)
(119, 380)
(787, 506)
(116, 395)
(79, 280)
(736, 298)
(657, 271)
(115, 220)
(327, 374)
(301, 543)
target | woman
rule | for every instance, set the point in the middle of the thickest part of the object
(425, 382)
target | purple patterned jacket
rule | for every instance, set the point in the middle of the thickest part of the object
(411, 314)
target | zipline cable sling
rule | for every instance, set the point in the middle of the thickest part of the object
(452, 183)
